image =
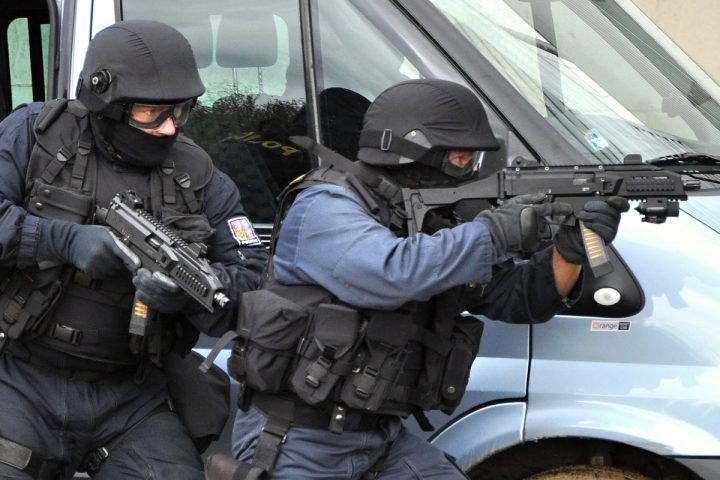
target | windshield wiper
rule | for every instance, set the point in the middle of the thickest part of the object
(700, 166)
(693, 162)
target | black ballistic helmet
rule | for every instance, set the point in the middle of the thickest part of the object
(137, 60)
(420, 120)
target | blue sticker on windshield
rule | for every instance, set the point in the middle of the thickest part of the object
(596, 140)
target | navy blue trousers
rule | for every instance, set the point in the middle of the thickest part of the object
(61, 419)
(320, 454)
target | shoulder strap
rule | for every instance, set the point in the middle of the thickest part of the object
(381, 185)
(80, 149)
(50, 112)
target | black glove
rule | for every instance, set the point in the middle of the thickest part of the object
(517, 226)
(89, 248)
(159, 292)
(600, 216)
(219, 466)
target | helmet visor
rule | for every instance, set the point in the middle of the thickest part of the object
(146, 115)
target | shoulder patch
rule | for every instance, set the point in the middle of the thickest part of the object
(243, 232)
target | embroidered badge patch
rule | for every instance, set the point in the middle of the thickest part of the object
(243, 231)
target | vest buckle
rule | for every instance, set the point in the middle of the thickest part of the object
(365, 385)
(63, 155)
(183, 180)
(94, 460)
(65, 334)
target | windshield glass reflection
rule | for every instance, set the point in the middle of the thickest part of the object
(595, 75)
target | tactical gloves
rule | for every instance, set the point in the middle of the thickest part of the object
(159, 292)
(220, 467)
(518, 225)
(602, 217)
(90, 248)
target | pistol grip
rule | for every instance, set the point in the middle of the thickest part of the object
(129, 258)
(596, 252)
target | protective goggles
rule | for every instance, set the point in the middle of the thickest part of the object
(465, 164)
(146, 115)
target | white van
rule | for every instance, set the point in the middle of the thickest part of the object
(622, 388)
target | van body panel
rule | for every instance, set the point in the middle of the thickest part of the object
(655, 384)
(483, 432)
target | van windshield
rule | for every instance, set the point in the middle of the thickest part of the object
(602, 81)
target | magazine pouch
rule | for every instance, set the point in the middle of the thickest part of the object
(269, 329)
(325, 352)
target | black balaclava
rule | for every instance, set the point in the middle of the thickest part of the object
(131, 145)
(418, 175)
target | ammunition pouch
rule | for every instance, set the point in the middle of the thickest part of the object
(26, 297)
(269, 329)
(59, 203)
(326, 352)
(379, 361)
(330, 354)
(464, 341)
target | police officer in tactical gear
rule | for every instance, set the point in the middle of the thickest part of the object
(358, 325)
(76, 394)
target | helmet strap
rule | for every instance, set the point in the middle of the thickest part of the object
(385, 141)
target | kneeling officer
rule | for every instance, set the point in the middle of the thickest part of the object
(359, 325)
(74, 395)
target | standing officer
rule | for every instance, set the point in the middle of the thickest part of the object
(72, 389)
(359, 325)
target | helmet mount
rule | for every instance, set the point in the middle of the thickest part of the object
(100, 81)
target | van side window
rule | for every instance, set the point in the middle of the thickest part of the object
(354, 63)
(23, 79)
(250, 59)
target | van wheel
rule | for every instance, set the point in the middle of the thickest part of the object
(587, 472)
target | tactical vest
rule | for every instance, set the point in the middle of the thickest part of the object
(302, 339)
(60, 308)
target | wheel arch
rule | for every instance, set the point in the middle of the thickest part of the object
(503, 441)
(532, 457)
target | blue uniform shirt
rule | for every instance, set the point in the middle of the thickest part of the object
(329, 239)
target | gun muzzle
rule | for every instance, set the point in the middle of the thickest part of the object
(221, 299)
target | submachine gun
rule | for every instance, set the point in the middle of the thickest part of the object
(657, 190)
(152, 245)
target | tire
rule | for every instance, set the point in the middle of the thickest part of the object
(587, 472)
